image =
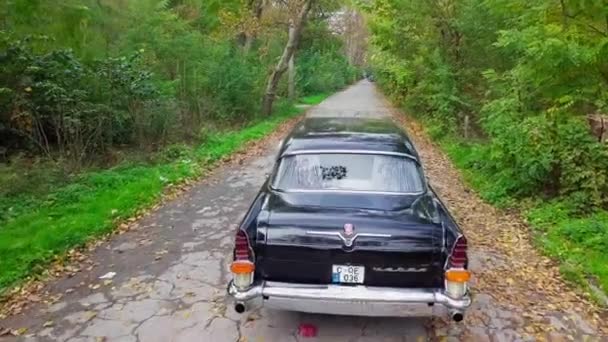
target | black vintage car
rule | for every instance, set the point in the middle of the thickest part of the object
(347, 224)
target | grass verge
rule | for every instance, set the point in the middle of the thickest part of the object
(578, 243)
(45, 223)
(314, 99)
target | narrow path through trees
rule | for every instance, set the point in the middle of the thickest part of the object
(171, 270)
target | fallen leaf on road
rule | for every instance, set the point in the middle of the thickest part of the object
(108, 275)
(252, 317)
(33, 298)
(4, 331)
(145, 242)
(19, 332)
(159, 254)
(48, 324)
(89, 315)
(72, 269)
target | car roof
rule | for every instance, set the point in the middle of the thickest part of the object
(347, 134)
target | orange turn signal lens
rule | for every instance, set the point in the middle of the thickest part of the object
(242, 267)
(458, 276)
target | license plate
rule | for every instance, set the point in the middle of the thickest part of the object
(347, 274)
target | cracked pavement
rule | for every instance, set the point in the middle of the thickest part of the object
(171, 273)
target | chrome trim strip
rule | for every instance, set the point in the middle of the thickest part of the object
(340, 191)
(354, 295)
(348, 240)
(447, 260)
(387, 153)
(365, 309)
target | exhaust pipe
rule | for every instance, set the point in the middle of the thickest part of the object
(457, 316)
(239, 307)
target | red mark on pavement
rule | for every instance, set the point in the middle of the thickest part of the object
(307, 330)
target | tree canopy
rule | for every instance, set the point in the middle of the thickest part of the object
(82, 76)
(522, 75)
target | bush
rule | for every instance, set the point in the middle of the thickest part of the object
(157, 82)
(58, 104)
(525, 79)
(323, 72)
(321, 65)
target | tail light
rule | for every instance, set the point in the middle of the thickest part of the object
(458, 257)
(242, 267)
(456, 276)
(242, 250)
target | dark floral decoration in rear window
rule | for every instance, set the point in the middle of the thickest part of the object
(334, 172)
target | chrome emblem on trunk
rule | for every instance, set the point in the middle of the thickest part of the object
(349, 229)
(348, 236)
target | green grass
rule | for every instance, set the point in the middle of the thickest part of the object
(45, 221)
(313, 99)
(579, 243)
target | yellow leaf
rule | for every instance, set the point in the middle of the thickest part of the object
(20, 331)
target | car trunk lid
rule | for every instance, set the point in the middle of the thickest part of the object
(302, 241)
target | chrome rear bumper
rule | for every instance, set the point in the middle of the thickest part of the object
(348, 300)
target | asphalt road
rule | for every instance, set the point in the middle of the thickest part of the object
(171, 273)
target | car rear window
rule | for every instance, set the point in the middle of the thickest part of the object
(349, 172)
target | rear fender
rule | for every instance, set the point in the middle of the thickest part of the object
(451, 230)
(254, 218)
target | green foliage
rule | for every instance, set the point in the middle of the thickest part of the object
(143, 73)
(526, 74)
(101, 102)
(56, 104)
(321, 65)
(45, 223)
(579, 242)
(313, 99)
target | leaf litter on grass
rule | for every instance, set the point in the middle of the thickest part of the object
(15, 301)
(519, 290)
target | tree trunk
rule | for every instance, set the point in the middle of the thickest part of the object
(291, 73)
(295, 32)
(257, 7)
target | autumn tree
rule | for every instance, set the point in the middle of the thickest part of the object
(298, 11)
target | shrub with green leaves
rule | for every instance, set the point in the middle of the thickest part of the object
(56, 104)
(144, 73)
(526, 74)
